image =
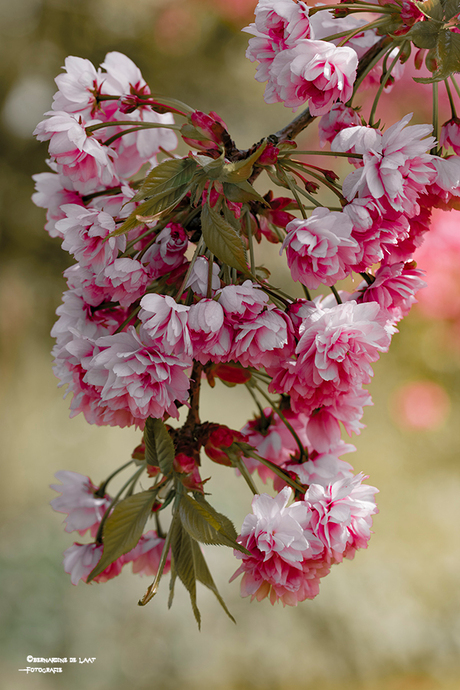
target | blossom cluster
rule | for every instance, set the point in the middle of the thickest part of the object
(160, 298)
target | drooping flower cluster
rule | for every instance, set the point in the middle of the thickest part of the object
(166, 293)
(297, 67)
(293, 546)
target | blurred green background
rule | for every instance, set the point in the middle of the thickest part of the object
(390, 620)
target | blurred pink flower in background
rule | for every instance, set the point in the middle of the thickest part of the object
(439, 256)
(420, 405)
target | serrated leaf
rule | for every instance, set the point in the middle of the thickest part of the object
(424, 34)
(242, 170)
(206, 525)
(212, 167)
(165, 177)
(242, 192)
(431, 8)
(222, 239)
(172, 582)
(230, 217)
(159, 448)
(181, 547)
(124, 528)
(451, 9)
(448, 51)
(151, 209)
(204, 576)
(447, 55)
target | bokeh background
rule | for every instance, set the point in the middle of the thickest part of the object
(390, 619)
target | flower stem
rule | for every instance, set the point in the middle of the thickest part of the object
(451, 100)
(149, 125)
(349, 34)
(326, 153)
(133, 479)
(101, 490)
(434, 150)
(239, 464)
(336, 294)
(152, 590)
(303, 451)
(278, 471)
(365, 72)
(293, 188)
(383, 83)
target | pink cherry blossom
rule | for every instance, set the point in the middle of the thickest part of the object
(198, 279)
(450, 135)
(320, 249)
(272, 439)
(211, 336)
(339, 117)
(81, 559)
(394, 287)
(132, 374)
(396, 165)
(79, 156)
(78, 87)
(323, 427)
(167, 252)
(281, 565)
(341, 515)
(52, 192)
(323, 24)
(135, 149)
(125, 280)
(263, 341)
(146, 555)
(324, 468)
(242, 302)
(85, 234)
(334, 354)
(165, 320)
(313, 71)
(123, 75)
(447, 181)
(84, 509)
(283, 21)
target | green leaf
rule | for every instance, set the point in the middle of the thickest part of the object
(448, 51)
(447, 55)
(212, 167)
(432, 9)
(181, 547)
(124, 528)
(242, 170)
(242, 192)
(164, 187)
(206, 525)
(159, 448)
(165, 177)
(204, 576)
(424, 34)
(451, 9)
(172, 582)
(222, 239)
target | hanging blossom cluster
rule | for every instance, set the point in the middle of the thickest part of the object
(166, 292)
